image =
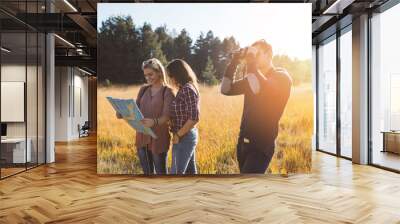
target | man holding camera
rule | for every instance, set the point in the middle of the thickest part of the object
(266, 90)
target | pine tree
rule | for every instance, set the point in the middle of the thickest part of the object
(208, 74)
(200, 55)
(229, 45)
(151, 46)
(119, 46)
(183, 46)
(166, 41)
(123, 46)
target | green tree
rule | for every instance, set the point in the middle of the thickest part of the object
(122, 47)
(183, 46)
(216, 55)
(299, 70)
(119, 46)
(200, 56)
(228, 45)
(208, 73)
(150, 45)
(166, 41)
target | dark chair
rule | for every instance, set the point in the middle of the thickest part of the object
(84, 130)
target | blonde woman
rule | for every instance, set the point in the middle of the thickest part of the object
(154, 100)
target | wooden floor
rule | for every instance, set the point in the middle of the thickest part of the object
(387, 159)
(5, 172)
(69, 191)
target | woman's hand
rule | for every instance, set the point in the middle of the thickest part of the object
(147, 122)
(118, 115)
(175, 139)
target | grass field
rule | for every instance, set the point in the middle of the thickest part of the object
(218, 129)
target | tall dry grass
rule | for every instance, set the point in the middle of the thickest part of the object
(218, 129)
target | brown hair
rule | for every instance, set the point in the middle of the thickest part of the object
(264, 46)
(182, 73)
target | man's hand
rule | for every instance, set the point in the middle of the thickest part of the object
(231, 67)
(236, 57)
(251, 60)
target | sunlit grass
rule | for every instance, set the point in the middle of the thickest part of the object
(218, 129)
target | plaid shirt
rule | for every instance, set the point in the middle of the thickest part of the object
(184, 107)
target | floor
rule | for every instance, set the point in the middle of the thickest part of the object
(70, 191)
(387, 159)
(10, 171)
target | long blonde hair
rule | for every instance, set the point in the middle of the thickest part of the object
(156, 65)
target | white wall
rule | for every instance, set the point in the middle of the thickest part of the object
(71, 93)
(16, 73)
(62, 81)
(80, 102)
(50, 92)
(314, 85)
(360, 90)
(33, 126)
(12, 101)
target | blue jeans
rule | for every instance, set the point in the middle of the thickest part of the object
(183, 154)
(152, 163)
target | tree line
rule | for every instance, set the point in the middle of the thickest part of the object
(123, 46)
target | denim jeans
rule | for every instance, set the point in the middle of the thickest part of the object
(152, 163)
(184, 155)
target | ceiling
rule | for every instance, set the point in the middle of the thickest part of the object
(75, 21)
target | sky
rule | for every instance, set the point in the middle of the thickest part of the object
(286, 26)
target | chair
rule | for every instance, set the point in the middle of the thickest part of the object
(84, 130)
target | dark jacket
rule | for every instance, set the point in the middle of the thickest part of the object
(262, 111)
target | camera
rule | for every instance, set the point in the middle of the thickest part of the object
(240, 53)
(243, 52)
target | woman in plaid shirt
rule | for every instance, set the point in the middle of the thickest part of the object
(184, 115)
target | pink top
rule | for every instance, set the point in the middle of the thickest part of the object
(155, 107)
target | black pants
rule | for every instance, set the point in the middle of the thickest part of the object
(151, 162)
(253, 157)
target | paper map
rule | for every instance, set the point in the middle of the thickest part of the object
(130, 112)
